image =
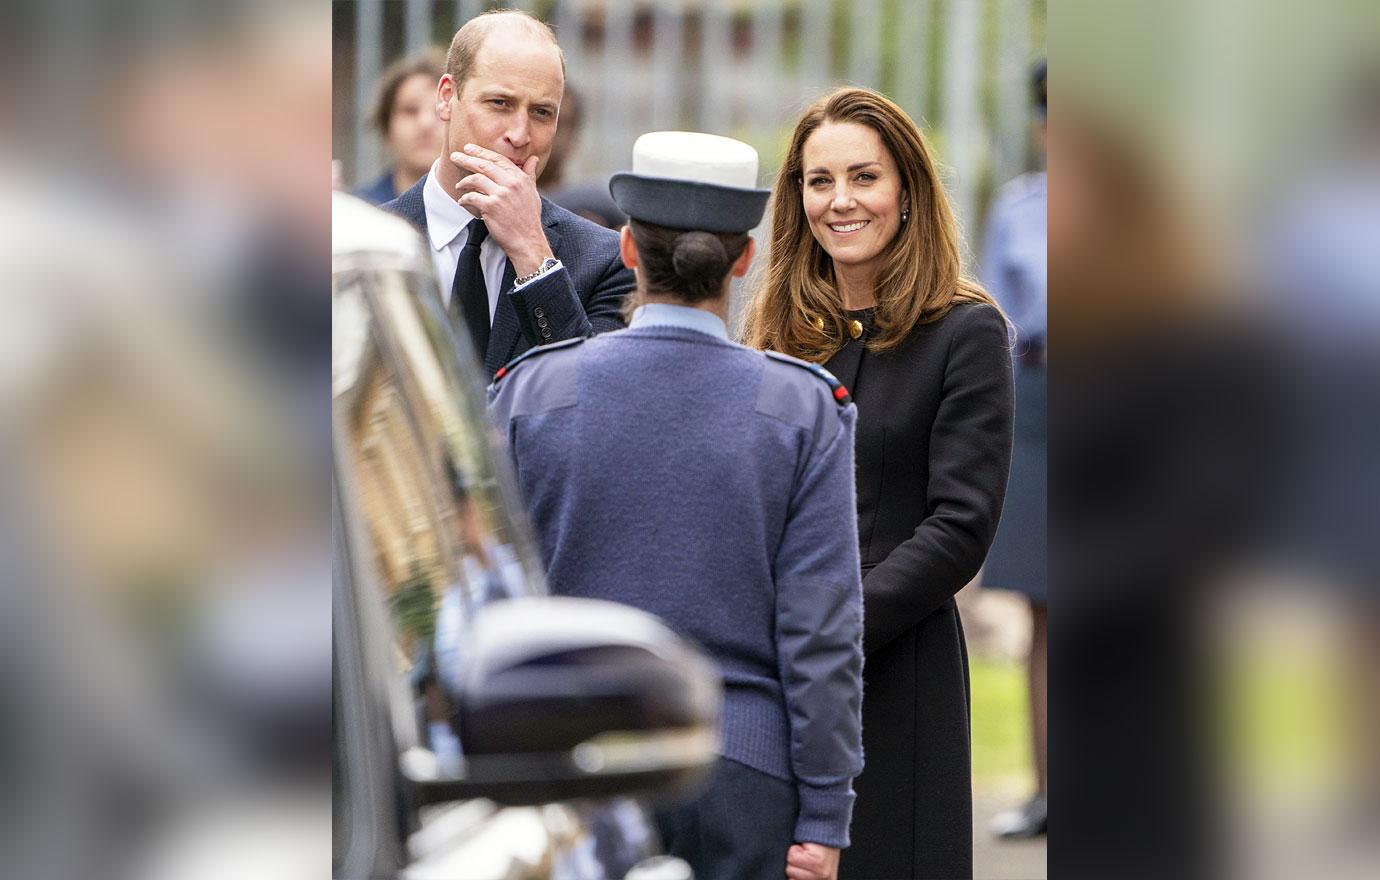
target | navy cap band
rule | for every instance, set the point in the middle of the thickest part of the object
(688, 204)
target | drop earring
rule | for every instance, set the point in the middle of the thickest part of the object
(905, 214)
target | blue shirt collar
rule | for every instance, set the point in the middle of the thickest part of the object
(667, 315)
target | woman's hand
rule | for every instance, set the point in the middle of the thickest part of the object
(812, 861)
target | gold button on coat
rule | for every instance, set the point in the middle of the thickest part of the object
(855, 329)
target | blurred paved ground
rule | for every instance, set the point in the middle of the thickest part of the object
(997, 625)
(1000, 859)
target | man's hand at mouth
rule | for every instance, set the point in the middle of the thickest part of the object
(505, 197)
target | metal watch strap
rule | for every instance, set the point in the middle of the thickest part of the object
(545, 266)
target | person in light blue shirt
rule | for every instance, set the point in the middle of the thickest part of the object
(1015, 272)
(711, 484)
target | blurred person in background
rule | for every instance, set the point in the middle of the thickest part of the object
(404, 115)
(516, 270)
(589, 198)
(731, 516)
(1322, 279)
(1016, 274)
(1166, 468)
(164, 431)
(864, 277)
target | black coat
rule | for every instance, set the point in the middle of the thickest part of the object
(933, 454)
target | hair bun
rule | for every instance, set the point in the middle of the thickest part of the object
(699, 257)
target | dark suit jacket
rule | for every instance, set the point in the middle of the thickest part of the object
(582, 298)
(933, 452)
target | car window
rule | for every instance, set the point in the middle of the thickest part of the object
(434, 498)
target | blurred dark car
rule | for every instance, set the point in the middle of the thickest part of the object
(483, 729)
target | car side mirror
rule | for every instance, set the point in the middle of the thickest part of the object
(558, 698)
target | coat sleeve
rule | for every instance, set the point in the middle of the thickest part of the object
(819, 637)
(969, 460)
(552, 305)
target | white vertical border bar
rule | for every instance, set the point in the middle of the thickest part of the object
(769, 106)
(911, 85)
(418, 26)
(368, 65)
(716, 64)
(865, 43)
(668, 55)
(816, 58)
(612, 137)
(464, 11)
(1013, 63)
(568, 21)
(960, 118)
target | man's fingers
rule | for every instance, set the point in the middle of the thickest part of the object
(475, 165)
(475, 158)
(795, 873)
(530, 167)
(505, 172)
(482, 153)
(477, 183)
(476, 202)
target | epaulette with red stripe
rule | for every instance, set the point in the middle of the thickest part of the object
(533, 352)
(836, 388)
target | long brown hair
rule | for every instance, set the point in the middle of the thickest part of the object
(920, 276)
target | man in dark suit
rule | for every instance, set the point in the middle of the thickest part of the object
(516, 271)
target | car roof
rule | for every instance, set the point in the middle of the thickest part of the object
(359, 228)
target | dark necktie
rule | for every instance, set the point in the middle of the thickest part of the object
(469, 296)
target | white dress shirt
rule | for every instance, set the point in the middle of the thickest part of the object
(447, 226)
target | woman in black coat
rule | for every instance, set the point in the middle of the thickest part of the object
(864, 277)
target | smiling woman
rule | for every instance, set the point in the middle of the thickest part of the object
(864, 278)
(854, 207)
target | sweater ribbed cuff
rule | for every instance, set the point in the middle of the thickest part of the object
(825, 814)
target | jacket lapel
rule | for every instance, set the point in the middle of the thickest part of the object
(506, 333)
(411, 205)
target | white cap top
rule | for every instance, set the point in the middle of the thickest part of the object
(694, 156)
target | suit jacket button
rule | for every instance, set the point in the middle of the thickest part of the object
(546, 334)
(539, 313)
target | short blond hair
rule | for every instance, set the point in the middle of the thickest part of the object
(465, 46)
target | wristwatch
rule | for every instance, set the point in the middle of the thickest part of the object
(546, 266)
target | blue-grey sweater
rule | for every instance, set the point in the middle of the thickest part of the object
(712, 485)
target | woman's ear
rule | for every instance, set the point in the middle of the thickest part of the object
(740, 265)
(626, 248)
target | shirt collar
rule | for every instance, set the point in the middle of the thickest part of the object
(667, 315)
(445, 218)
